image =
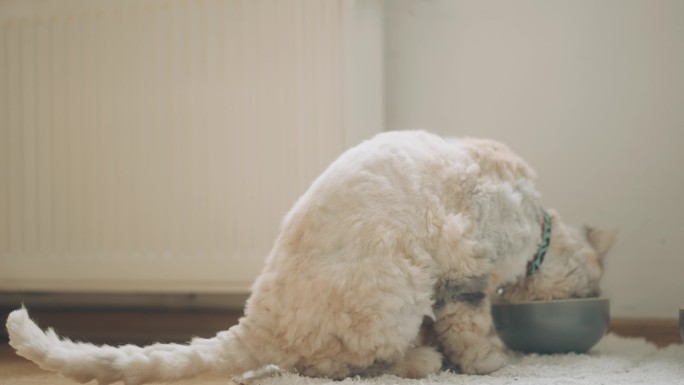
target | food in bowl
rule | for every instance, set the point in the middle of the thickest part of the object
(556, 326)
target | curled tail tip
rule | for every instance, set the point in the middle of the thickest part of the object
(24, 335)
(17, 320)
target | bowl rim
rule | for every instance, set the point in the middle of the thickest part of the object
(547, 301)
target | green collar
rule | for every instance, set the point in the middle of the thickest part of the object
(533, 265)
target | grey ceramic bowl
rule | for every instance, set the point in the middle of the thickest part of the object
(681, 322)
(558, 326)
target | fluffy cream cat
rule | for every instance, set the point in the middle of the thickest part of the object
(404, 235)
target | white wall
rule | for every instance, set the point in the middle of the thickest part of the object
(590, 92)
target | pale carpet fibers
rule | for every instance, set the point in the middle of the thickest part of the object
(615, 360)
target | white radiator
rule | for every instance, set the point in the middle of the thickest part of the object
(155, 145)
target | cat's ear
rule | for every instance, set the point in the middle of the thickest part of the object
(601, 239)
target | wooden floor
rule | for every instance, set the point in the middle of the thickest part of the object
(132, 326)
(142, 327)
(147, 326)
(661, 332)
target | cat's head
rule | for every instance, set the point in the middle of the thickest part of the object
(572, 268)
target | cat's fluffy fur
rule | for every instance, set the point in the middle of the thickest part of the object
(402, 232)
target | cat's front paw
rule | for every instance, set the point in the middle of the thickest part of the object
(483, 361)
(418, 363)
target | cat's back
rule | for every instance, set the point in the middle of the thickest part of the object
(393, 160)
(495, 159)
(378, 189)
(386, 184)
(392, 150)
(431, 154)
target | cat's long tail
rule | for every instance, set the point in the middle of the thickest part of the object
(225, 353)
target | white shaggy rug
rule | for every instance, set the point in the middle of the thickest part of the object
(614, 360)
